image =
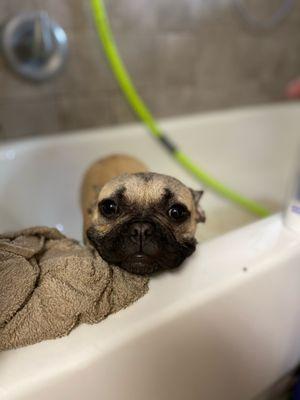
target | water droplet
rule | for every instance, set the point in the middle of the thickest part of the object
(60, 227)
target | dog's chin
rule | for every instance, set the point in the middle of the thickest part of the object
(142, 264)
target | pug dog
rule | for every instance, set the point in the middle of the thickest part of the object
(141, 221)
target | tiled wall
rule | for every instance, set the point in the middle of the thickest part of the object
(185, 56)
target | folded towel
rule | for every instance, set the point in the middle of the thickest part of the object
(49, 284)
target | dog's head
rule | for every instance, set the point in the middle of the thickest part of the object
(145, 222)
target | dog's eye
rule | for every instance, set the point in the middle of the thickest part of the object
(108, 207)
(178, 212)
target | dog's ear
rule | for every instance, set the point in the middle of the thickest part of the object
(200, 213)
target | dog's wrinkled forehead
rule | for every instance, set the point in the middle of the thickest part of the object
(147, 189)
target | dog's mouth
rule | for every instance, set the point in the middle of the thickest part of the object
(140, 263)
(139, 257)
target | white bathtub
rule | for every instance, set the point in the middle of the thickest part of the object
(226, 325)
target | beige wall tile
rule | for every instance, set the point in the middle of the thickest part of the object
(118, 109)
(71, 14)
(28, 117)
(15, 87)
(140, 53)
(177, 58)
(10, 8)
(82, 112)
(87, 69)
(129, 15)
(183, 55)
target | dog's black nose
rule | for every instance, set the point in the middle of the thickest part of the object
(140, 231)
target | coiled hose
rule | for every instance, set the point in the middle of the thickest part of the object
(141, 110)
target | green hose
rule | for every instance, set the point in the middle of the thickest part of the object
(137, 104)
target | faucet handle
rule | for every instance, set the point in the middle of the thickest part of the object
(34, 45)
(43, 43)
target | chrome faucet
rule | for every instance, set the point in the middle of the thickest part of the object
(34, 46)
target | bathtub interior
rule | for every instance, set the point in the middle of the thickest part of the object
(40, 179)
(39, 184)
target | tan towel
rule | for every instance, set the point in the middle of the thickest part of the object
(49, 284)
